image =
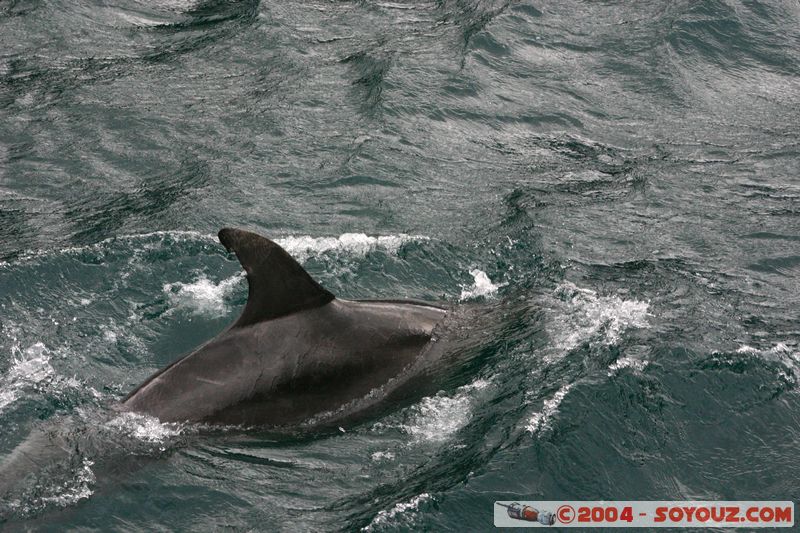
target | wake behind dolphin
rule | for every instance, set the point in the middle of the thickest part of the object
(296, 354)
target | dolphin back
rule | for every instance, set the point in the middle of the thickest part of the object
(295, 352)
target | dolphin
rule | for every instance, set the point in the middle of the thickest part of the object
(298, 360)
(297, 355)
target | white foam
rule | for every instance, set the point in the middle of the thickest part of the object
(115, 333)
(385, 517)
(203, 296)
(779, 349)
(301, 247)
(78, 488)
(481, 287)
(435, 418)
(28, 369)
(586, 315)
(109, 335)
(176, 235)
(382, 456)
(781, 352)
(789, 378)
(143, 427)
(627, 362)
(354, 244)
(541, 420)
(62, 494)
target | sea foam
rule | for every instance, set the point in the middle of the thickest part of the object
(482, 286)
(587, 316)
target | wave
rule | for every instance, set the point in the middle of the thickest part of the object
(301, 247)
(541, 420)
(352, 244)
(389, 518)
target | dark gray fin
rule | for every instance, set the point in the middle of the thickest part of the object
(279, 286)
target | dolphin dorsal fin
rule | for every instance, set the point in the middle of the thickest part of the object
(278, 284)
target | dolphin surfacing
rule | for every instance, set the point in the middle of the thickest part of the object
(296, 354)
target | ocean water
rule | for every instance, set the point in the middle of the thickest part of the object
(614, 185)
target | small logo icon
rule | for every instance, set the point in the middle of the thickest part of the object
(565, 514)
(529, 514)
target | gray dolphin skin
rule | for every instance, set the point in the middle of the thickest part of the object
(296, 355)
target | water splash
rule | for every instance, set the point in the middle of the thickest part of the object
(28, 370)
(77, 489)
(481, 287)
(436, 418)
(144, 428)
(584, 316)
(203, 296)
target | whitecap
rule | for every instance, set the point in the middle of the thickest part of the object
(300, 247)
(386, 517)
(354, 244)
(541, 420)
(382, 456)
(778, 349)
(482, 286)
(781, 352)
(627, 362)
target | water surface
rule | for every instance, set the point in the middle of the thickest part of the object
(616, 183)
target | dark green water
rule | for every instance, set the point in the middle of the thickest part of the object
(616, 183)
